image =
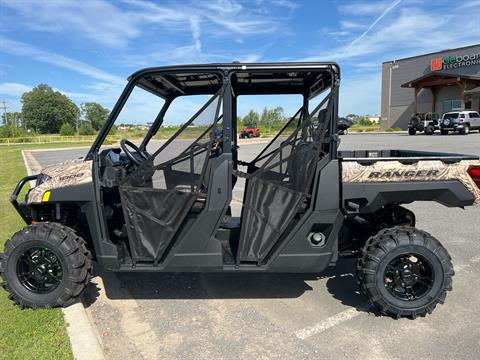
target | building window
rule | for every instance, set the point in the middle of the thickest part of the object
(452, 105)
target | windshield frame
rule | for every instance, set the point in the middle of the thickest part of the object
(135, 80)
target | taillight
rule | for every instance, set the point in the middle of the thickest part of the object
(474, 172)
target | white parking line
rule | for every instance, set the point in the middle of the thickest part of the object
(327, 323)
(353, 313)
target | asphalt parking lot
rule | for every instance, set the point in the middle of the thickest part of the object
(240, 316)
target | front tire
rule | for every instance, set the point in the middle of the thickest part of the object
(443, 132)
(404, 272)
(45, 265)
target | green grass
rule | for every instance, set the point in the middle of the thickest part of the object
(25, 334)
(54, 138)
(365, 128)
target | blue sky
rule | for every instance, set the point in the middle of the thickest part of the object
(86, 49)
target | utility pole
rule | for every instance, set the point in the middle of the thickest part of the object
(4, 107)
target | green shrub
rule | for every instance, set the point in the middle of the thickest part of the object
(9, 131)
(86, 129)
(67, 130)
(113, 130)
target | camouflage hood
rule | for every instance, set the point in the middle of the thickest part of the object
(68, 173)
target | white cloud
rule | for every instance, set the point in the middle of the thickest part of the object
(348, 24)
(109, 25)
(13, 89)
(22, 49)
(195, 27)
(395, 32)
(365, 8)
(374, 23)
(286, 3)
(407, 30)
(97, 20)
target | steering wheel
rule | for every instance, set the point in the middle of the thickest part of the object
(130, 154)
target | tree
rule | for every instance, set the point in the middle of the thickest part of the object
(45, 110)
(251, 118)
(86, 129)
(270, 116)
(95, 113)
(7, 131)
(12, 118)
(363, 121)
(67, 130)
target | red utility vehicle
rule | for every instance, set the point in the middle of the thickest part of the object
(250, 131)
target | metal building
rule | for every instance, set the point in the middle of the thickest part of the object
(438, 82)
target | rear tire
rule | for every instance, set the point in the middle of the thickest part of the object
(412, 131)
(404, 272)
(465, 130)
(45, 265)
(429, 130)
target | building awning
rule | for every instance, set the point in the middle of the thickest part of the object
(437, 78)
(474, 91)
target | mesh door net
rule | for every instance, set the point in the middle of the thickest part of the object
(158, 196)
(280, 180)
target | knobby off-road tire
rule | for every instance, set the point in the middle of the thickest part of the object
(413, 252)
(45, 265)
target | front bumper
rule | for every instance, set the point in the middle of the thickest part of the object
(454, 127)
(22, 207)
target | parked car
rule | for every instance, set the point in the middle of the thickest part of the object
(427, 122)
(343, 125)
(460, 121)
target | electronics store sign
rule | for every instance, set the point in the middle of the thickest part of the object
(455, 61)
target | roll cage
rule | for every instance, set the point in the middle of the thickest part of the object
(170, 83)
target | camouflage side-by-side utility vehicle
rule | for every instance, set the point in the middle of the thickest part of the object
(165, 205)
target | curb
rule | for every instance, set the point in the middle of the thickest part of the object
(375, 133)
(84, 340)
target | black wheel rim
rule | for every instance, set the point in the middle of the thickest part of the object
(408, 277)
(39, 270)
